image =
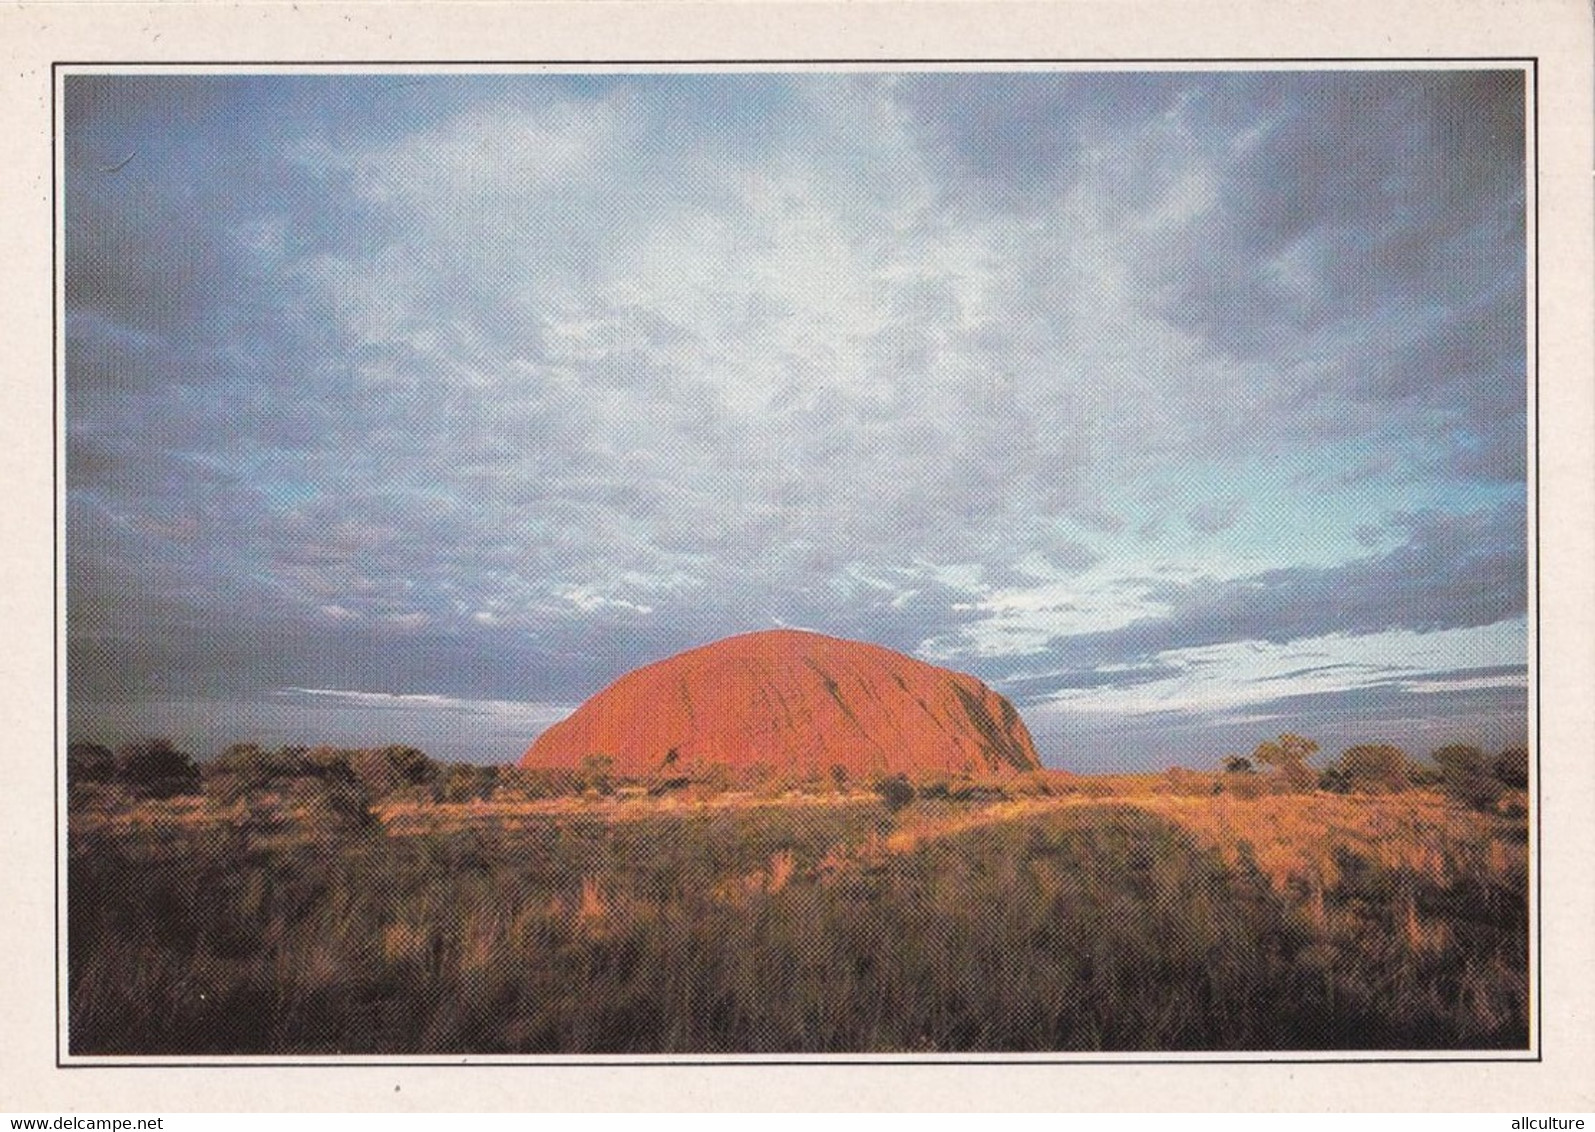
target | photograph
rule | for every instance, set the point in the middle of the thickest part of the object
(819, 561)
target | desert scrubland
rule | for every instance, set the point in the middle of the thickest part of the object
(374, 902)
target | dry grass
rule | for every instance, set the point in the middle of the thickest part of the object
(1303, 839)
(410, 818)
(1145, 920)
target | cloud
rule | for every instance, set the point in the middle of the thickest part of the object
(1417, 690)
(496, 386)
(1218, 515)
(1451, 571)
(1023, 139)
(1109, 741)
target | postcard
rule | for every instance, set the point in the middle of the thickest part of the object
(759, 561)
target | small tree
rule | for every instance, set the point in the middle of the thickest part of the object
(156, 769)
(1467, 774)
(384, 771)
(465, 782)
(1376, 768)
(1287, 757)
(1237, 764)
(1288, 750)
(1512, 768)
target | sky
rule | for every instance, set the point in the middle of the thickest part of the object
(1183, 408)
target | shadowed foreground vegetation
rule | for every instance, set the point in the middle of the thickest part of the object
(288, 910)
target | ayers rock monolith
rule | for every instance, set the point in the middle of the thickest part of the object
(798, 703)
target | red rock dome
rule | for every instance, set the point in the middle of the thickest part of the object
(798, 703)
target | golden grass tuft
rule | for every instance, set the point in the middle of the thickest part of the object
(592, 913)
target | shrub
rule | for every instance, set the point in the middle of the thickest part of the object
(389, 770)
(224, 788)
(1186, 782)
(596, 772)
(1467, 774)
(1422, 774)
(321, 782)
(1247, 785)
(1512, 767)
(896, 791)
(963, 788)
(464, 782)
(713, 779)
(332, 801)
(1062, 781)
(89, 762)
(1299, 778)
(933, 786)
(1241, 779)
(530, 783)
(662, 786)
(1375, 768)
(155, 768)
(1031, 785)
(244, 766)
(1334, 780)
(755, 775)
(1287, 758)
(241, 756)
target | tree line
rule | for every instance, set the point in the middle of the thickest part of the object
(344, 782)
(1467, 773)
